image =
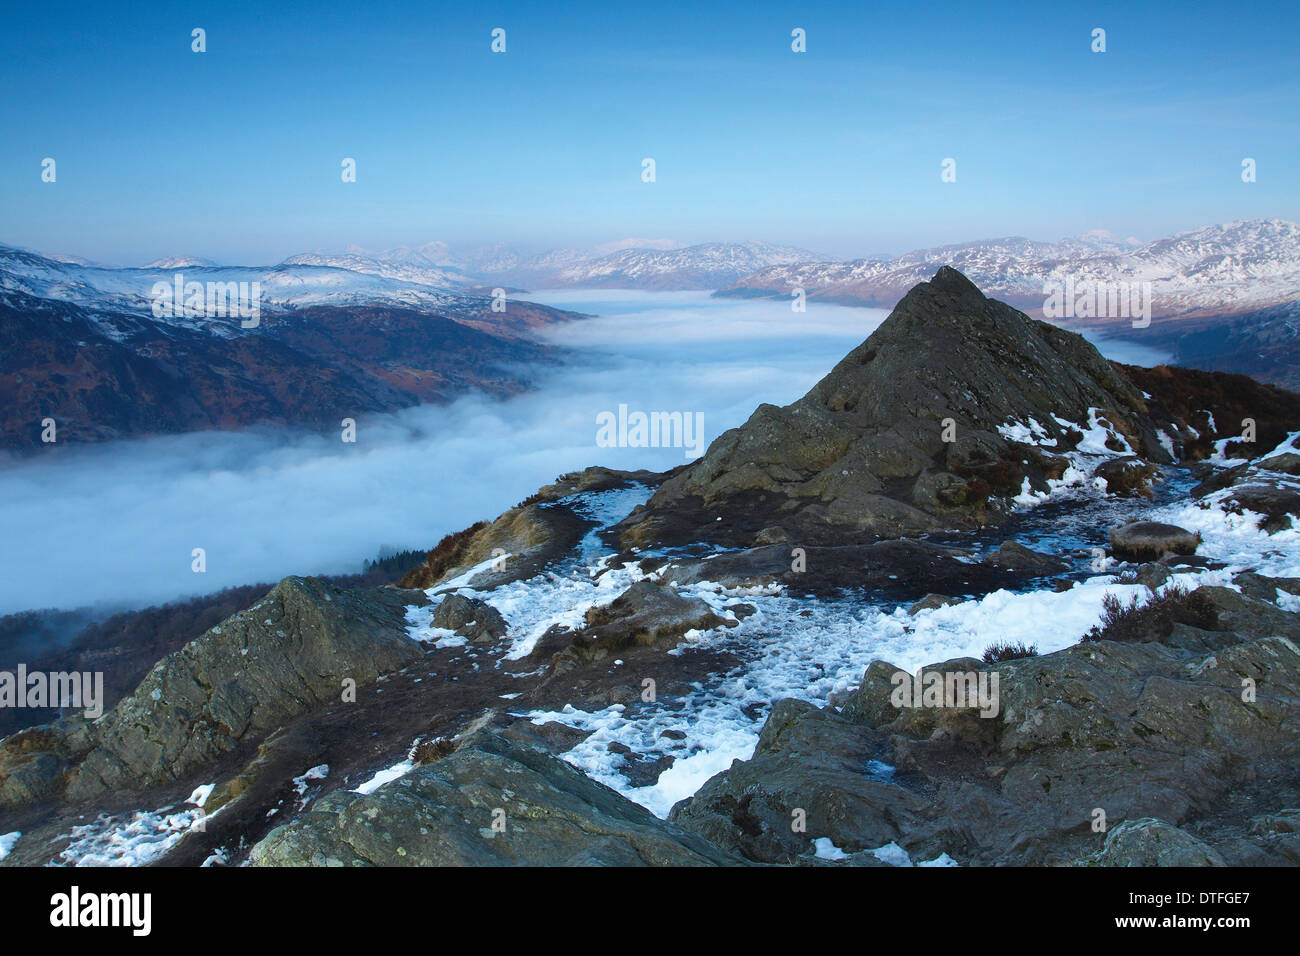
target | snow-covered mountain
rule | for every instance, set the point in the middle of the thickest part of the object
(410, 270)
(1104, 241)
(436, 260)
(298, 344)
(499, 263)
(1228, 268)
(618, 245)
(431, 276)
(705, 266)
(294, 284)
(166, 262)
(633, 263)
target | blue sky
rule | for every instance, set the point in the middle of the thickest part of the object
(235, 153)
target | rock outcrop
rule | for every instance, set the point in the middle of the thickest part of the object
(1014, 556)
(470, 618)
(1279, 506)
(894, 570)
(1126, 476)
(1102, 731)
(242, 679)
(490, 803)
(1152, 842)
(523, 540)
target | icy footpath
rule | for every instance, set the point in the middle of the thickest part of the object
(809, 650)
(561, 596)
(812, 649)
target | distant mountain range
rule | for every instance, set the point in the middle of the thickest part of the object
(662, 264)
(1235, 267)
(296, 283)
(438, 277)
(503, 263)
(1215, 270)
(706, 266)
(649, 264)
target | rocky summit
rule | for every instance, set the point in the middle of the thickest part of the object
(980, 597)
(918, 429)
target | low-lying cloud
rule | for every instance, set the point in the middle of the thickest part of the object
(116, 525)
(1127, 351)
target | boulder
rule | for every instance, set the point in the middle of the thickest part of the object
(1240, 613)
(1016, 557)
(1151, 541)
(1265, 588)
(1279, 506)
(806, 760)
(469, 617)
(753, 567)
(1126, 476)
(1152, 842)
(646, 614)
(1287, 463)
(930, 602)
(1153, 575)
(1218, 479)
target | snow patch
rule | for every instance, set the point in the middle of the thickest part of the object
(134, 840)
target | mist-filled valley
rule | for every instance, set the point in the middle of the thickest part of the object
(114, 526)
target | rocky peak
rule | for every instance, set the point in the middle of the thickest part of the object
(948, 351)
(902, 436)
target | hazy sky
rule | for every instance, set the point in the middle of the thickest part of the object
(235, 153)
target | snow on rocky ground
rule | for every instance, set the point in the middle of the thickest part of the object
(134, 839)
(811, 649)
(388, 774)
(305, 788)
(1236, 539)
(808, 649)
(1090, 452)
(890, 853)
(562, 595)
